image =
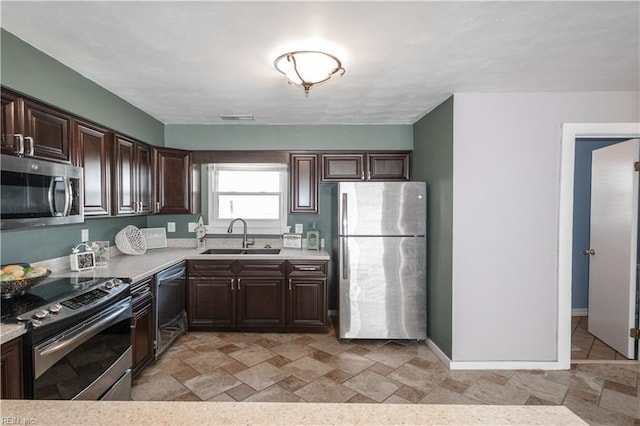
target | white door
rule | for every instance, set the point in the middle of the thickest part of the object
(613, 240)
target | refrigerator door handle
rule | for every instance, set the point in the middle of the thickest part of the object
(345, 259)
(345, 221)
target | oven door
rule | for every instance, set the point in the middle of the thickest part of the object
(90, 361)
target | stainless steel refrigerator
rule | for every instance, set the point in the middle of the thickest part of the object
(381, 235)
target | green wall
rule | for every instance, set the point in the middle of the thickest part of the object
(289, 137)
(433, 162)
(31, 72)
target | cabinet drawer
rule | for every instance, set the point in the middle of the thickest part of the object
(211, 268)
(142, 287)
(307, 268)
(263, 268)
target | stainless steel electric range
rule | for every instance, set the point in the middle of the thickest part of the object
(78, 339)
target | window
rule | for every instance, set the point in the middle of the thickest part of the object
(254, 192)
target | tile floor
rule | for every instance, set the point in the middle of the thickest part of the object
(319, 368)
(586, 346)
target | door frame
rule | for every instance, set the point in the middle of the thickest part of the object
(570, 132)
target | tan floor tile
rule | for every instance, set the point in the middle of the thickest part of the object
(293, 350)
(278, 361)
(537, 385)
(534, 400)
(610, 372)
(495, 394)
(292, 383)
(381, 369)
(361, 399)
(185, 374)
(325, 390)
(577, 379)
(252, 355)
(395, 399)
(307, 369)
(274, 393)
(211, 384)
(620, 403)
(330, 345)
(187, 397)
(359, 350)
(372, 385)
(223, 397)
(261, 376)
(234, 367)
(595, 415)
(417, 378)
(321, 356)
(442, 395)
(619, 387)
(390, 356)
(303, 340)
(350, 362)
(227, 349)
(207, 362)
(162, 387)
(241, 392)
(338, 376)
(454, 385)
(411, 394)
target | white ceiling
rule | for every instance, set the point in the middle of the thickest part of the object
(189, 62)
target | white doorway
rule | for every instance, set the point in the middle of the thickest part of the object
(570, 132)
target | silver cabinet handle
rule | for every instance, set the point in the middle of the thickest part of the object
(362, 175)
(289, 284)
(238, 281)
(368, 174)
(232, 289)
(157, 206)
(308, 268)
(20, 138)
(31, 150)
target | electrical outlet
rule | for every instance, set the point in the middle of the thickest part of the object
(171, 227)
(191, 226)
(84, 235)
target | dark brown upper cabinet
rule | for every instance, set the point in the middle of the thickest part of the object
(389, 166)
(176, 178)
(32, 129)
(382, 166)
(133, 191)
(343, 167)
(304, 183)
(92, 151)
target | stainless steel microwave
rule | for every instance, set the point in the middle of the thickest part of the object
(39, 193)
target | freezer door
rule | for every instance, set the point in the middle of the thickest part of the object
(382, 208)
(382, 293)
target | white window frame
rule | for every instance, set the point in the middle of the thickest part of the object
(254, 226)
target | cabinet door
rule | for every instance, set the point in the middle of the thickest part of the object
(49, 131)
(343, 167)
(389, 166)
(125, 177)
(173, 173)
(144, 175)
(142, 332)
(307, 302)
(304, 183)
(260, 302)
(210, 302)
(11, 384)
(92, 152)
(11, 122)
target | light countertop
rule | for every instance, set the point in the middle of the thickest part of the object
(11, 331)
(245, 413)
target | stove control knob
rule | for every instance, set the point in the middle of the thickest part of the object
(117, 281)
(41, 314)
(109, 285)
(55, 308)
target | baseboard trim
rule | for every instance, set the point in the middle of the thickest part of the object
(439, 353)
(580, 312)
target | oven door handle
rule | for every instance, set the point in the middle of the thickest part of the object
(47, 355)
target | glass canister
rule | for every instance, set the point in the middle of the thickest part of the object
(313, 237)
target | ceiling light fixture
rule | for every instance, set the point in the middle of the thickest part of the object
(308, 67)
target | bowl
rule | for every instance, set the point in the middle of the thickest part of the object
(18, 287)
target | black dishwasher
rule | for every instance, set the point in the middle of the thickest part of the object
(171, 316)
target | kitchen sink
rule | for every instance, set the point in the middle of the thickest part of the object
(241, 251)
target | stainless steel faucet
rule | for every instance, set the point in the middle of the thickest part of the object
(245, 243)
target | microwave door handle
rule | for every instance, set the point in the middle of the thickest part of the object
(67, 196)
(52, 203)
(20, 139)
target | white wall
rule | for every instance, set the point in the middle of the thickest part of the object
(506, 176)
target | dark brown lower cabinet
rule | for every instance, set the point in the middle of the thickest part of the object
(11, 386)
(256, 295)
(142, 326)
